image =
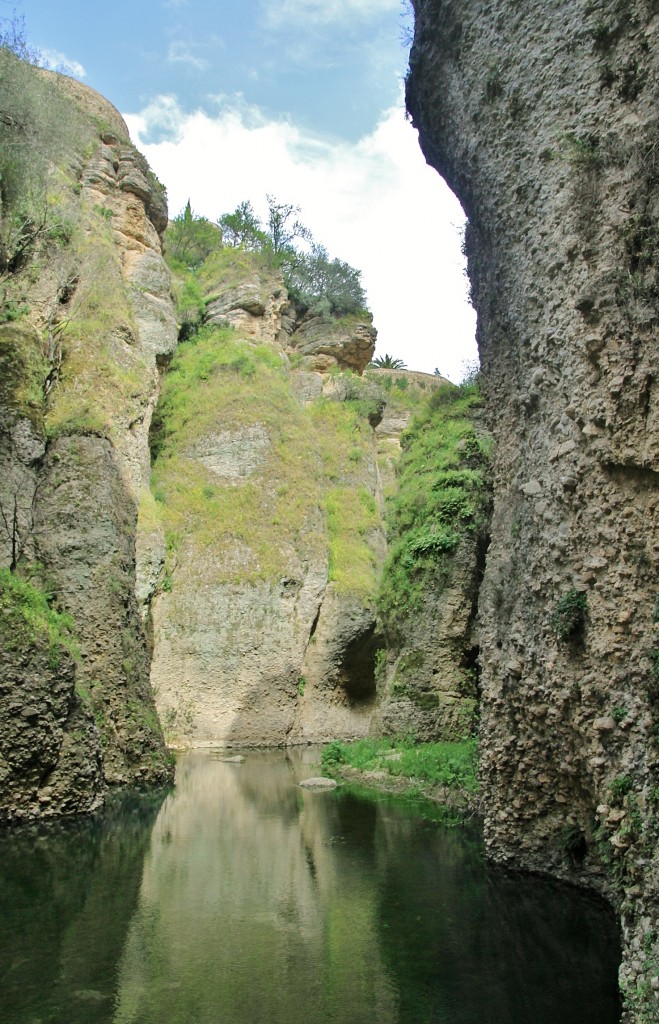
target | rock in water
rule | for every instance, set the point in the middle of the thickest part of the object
(318, 783)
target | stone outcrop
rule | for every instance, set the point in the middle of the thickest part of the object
(544, 122)
(253, 302)
(79, 381)
(348, 343)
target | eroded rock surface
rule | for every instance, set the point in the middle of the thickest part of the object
(79, 381)
(543, 119)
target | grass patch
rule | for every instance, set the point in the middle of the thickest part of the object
(227, 392)
(23, 370)
(237, 265)
(29, 618)
(443, 496)
(454, 765)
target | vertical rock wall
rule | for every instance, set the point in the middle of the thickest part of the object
(79, 378)
(543, 118)
(263, 614)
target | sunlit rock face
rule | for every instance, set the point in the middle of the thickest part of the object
(543, 119)
(79, 380)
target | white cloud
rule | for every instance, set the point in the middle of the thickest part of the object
(57, 60)
(298, 15)
(180, 53)
(373, 203)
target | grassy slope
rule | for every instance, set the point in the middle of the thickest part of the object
(221, 382)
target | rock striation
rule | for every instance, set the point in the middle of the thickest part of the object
(543, 119)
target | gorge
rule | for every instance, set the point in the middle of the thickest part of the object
(194, 535)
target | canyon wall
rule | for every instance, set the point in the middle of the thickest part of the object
(543, 118)
(260, 551)
(437, 534)
(85, 318)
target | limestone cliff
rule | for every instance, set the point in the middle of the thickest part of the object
(263, 543)
(85, 317)
(543, 119)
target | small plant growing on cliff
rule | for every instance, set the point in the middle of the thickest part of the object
(620, 786)
(574, 844)
(28, 614)
(493, 84)
(568, 619)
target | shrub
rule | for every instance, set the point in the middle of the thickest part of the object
(569, 616)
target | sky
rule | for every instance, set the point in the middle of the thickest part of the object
(299, 99)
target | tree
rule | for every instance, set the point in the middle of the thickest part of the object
(387, 362)
(315, 281)
(242, 228)
(191, 239)
(13, 37)
(284, 230)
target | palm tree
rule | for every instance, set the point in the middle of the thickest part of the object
(387, 362)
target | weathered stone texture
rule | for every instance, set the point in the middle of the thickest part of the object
(50, 753)
(543, 118)
(85, 527)
(338, 692)
(428, 688)
(79, 379)
(348, 343)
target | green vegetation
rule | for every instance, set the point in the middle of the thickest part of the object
(453, 765)
(95, 378)
(29, 618)
(324, 286)
(191, 239)
(387, 362)
(198, 252)
(222, 388)
(102, 381)
(23, 369)
(568, 618)
(443, 496)
(40, 132)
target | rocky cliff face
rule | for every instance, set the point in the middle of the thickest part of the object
(263, 543)
(543, 119)
(86, 317)
(438, 520)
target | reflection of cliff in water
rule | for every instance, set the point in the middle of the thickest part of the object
(261, 901)
(68, 893)
(245, 912)
(251, 900)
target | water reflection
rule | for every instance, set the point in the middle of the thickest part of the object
(261, 902)
(67, 895)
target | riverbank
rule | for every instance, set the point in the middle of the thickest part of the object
(446, 773)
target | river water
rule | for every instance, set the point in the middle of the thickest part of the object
(239, 898)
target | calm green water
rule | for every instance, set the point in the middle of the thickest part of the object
(242, 899)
